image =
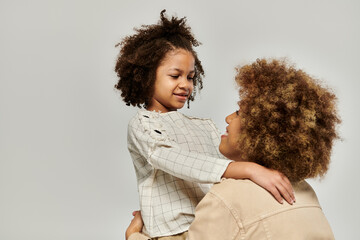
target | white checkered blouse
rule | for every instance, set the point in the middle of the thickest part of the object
(176, 159)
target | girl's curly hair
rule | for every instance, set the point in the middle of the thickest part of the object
(288, 120)
(142, 53)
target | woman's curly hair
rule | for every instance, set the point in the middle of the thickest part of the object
(288, 121)
(142, 53)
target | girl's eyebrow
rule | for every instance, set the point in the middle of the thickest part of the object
(179, 70)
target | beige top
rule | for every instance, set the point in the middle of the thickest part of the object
(240, 209)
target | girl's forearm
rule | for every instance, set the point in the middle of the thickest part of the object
(239, 170)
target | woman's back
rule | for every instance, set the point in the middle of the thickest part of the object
(240, 209)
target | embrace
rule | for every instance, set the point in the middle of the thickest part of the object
(194, 185)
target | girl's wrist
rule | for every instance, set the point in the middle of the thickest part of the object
(240, 170)
(252, 170)
(249, 170)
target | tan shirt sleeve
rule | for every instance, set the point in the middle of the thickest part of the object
(138, 236)
(213, 220)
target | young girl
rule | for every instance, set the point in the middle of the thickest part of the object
(176, 157)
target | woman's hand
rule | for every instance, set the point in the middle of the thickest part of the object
(274, 182)
(136, 224)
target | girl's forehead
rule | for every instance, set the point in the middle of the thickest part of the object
(178, 52)
(178, 57)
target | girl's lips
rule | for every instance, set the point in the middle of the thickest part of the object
(181, 97)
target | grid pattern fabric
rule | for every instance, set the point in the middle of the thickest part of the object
(176, 159)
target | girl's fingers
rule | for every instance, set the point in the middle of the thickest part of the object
(287, 185)
(284, 193)
(275, 192)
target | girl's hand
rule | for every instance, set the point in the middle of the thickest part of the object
(136, 224)
(274, 182)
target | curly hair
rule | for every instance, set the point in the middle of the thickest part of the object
(142, 53)
(288, 120)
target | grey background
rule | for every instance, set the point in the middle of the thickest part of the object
(65, 172)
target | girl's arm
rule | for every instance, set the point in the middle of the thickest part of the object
(149, 144)
(148, 141)
(271, 180)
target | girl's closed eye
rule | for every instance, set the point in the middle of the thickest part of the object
(174, 76)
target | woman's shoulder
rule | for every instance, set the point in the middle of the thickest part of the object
(248, 197)
(229, 187)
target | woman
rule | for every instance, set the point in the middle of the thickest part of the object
(286, 122)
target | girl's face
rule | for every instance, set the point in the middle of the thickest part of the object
(174, 81)
(229, 141)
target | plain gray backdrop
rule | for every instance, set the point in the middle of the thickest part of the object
(65, 172)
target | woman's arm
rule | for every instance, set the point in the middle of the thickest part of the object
(273, 181)
(133, 232)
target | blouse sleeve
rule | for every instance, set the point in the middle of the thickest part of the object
(150, 141)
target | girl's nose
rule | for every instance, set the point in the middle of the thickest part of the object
(185, 83)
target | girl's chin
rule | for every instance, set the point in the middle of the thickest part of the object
(179, 106)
